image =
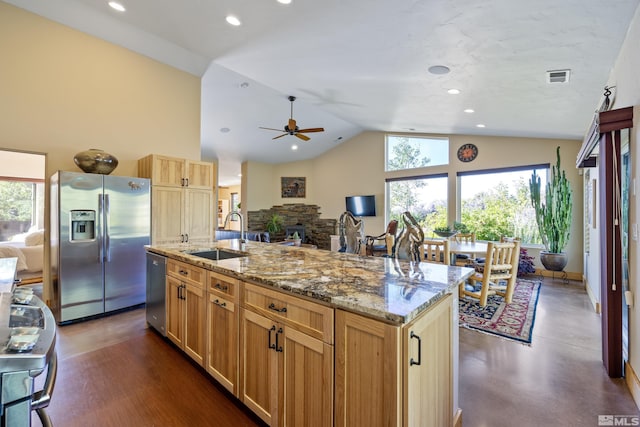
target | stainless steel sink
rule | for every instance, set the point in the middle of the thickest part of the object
(217, 254)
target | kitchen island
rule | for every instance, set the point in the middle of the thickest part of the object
(312, 337)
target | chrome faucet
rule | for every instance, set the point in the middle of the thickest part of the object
(242, 231)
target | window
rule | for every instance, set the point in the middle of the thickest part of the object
(21, 207)
(496, 202)
(409, 152)
(235, 203)
(425, 197)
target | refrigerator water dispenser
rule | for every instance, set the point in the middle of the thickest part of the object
(83, 225)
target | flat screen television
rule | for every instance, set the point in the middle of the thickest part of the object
(361, 205)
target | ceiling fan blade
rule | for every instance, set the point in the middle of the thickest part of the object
(280, 136)
(302, 137)
(312, 130)
(279, 130)
(292, 124)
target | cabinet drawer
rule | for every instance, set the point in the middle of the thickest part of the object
(306, 316)
(184, 271)
(222, 285)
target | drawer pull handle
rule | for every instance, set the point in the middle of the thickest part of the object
(273, 307)
(411, 361)
(273, 328)
(217, 302)
(278, 346)
(222, 288)
(184, 272)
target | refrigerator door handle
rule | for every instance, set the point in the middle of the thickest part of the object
(107, 238)
(99, 227)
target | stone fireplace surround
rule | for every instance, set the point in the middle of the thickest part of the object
(318, 231)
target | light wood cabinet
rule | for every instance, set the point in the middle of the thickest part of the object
(182, 199)
(280, 354)
(427, 368)
(286, 373)
(404, 378)
(186, 308)
(222, 330)
(176, 172)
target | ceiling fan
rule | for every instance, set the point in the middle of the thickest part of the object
(291, 128)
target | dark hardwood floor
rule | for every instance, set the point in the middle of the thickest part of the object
(114, 371)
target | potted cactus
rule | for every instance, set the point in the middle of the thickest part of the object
(553, 215)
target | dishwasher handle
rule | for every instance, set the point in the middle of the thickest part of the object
(41, 399)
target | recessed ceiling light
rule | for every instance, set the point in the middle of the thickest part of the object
(117, 6)
(439, 69)
(480, 125)
(225, 130)
(294, 147)
(453, 91)
(469, 110)
(244, 85)
(284, 1)
(233, 20)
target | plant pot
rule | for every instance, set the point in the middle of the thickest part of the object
(553, 261)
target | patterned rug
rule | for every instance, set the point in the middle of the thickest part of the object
(513, 321)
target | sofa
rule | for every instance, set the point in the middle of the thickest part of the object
(29, 249)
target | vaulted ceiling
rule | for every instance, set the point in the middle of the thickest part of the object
(359, 65)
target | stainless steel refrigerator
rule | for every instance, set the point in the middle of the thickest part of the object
(99, 226)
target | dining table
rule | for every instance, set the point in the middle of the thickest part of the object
(473, 248)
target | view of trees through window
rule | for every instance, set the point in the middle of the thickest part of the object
(498, 204)
(16, 207)
(409, 152)
(425, 196)
(492, 203)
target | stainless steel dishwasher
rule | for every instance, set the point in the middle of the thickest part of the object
(156, 310)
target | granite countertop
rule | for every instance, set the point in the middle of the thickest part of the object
(384, 288)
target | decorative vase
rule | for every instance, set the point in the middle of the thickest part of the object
(554, 261)
(96, 161)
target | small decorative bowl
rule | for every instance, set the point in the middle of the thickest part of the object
(446, 234)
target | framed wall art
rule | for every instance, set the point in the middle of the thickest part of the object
(294, 187)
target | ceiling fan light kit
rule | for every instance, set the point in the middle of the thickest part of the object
(291, 128)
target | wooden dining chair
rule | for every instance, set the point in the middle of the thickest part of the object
(437, 251)
(464, 259)
(498, 276)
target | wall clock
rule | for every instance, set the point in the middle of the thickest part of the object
(467, 152)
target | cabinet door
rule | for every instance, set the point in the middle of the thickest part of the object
(368, 370)
(167, 221)
(427, 370)
(168, 171)
(195, 320)
(175, 310)
(222, 345)
(200, 175)
(308, 381)
(259, 365)
(200, 216)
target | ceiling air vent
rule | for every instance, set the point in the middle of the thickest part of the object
(558, 76)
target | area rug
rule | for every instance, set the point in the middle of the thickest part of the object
(513, 321)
